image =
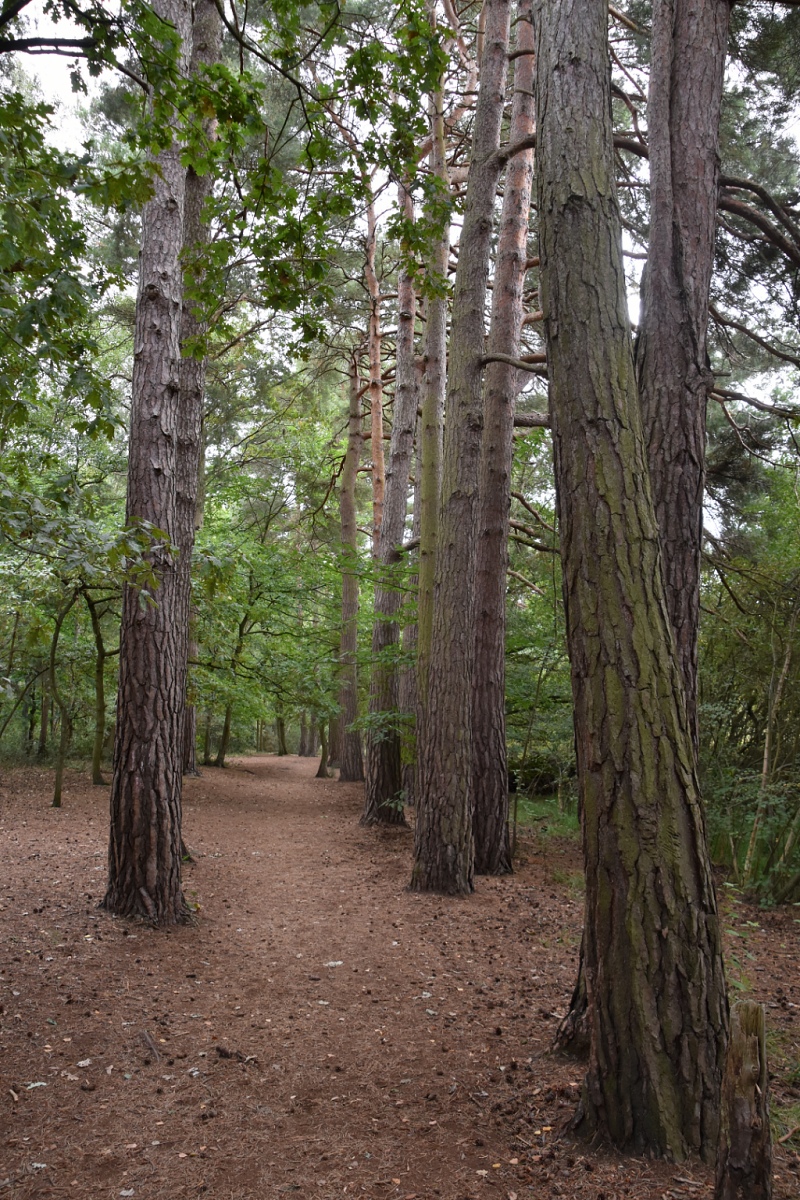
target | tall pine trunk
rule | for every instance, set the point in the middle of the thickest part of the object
(500, 388)
(206, 48)
(384, 783)
(443, 849)
(431, 429)
(689, 42)
(351, 768)
(144, 861)
(654, 974)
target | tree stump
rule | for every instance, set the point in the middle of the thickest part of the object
(744, 1156)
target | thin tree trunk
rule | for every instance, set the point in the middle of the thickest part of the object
(302, 748)
(443, 849)
(99, 691)
(322, 769)
(225, 737)
(689, 41)
(773, 707)
(408, 695)
(654, 973)
(500, 388)
(207, 740)
(41, 749)
(384, 785)
(31, 730)
(280, 732)
(351, 769)
(58, 701)
(206, 49)
(145, 841)
(334, 742)
(374, 340)
(431, 429)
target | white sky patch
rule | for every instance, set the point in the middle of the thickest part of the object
(52, 74)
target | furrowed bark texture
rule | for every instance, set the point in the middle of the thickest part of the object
(144, 862)
(443, 850)
(654, 974)
(500, 388)
(688, 64)
(351, 766)
(744, 1158)
(206, 47)
(431, 429)
(374, 341)
(384, 771)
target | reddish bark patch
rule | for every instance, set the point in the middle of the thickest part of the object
(226, 1059)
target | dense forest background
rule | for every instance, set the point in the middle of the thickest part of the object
(319, 115)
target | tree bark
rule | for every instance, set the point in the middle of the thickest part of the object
(443, 849)
(744, 1158)
(500, 389)
(144, 849)
(384, 783)
(431, 427)
(689, 41)
(654, 973)
(374, 341)
(206, 50)
(351, 769)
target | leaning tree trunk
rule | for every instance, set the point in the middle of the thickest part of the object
(351, 768)
(654, 973)
(144, 861)
(443, 847)
(500, 388)
(689, 42)
(384, 784)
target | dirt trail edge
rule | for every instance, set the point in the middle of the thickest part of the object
(318, 1030)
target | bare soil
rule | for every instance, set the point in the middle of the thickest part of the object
(317, 1030)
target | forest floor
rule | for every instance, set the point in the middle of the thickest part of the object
(317, 1030)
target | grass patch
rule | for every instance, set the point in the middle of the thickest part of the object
(541, 814)
(783, 1121)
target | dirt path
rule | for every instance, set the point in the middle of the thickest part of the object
(318, 1031)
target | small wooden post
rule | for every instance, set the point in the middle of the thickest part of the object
(744, 1155)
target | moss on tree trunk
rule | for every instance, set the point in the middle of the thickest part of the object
(654, 974)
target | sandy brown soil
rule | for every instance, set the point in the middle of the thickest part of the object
(318, 1030)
